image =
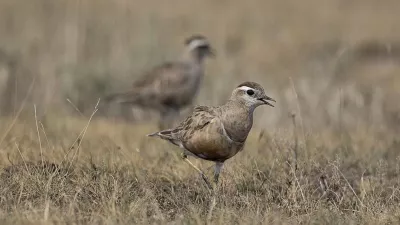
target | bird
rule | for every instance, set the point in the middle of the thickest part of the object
(217, 133)
(171, 86)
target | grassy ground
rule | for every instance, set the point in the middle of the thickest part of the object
(110, 173)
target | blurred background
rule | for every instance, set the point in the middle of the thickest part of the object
(334, 63)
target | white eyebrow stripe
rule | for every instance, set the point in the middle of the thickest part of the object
(196, 43)
(245, 88)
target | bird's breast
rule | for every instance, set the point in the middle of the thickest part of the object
(214, 146)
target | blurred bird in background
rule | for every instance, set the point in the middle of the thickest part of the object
(171, 86)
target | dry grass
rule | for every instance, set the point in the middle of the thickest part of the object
(120, 177)
(332, 64)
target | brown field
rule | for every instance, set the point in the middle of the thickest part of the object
(328, 153)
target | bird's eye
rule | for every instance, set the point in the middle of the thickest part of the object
(250, 92)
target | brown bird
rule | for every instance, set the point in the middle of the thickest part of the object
(218, 133)
(171, 86)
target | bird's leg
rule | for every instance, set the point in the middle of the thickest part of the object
(184, 156)
(217, 171)
(214, 194)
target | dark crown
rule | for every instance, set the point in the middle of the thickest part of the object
(250, 84)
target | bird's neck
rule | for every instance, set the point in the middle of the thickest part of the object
(237, 119)
(193, 57)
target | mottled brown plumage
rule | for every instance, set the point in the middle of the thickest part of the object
(218, 133)
(171, 86)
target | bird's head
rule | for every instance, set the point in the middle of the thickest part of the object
(199, 47)
(251, 95)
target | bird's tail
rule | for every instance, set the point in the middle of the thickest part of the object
(169, 135)
(123, 97)
(155, 134)
(165, 134)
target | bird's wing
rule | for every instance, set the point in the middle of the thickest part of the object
(151, 77)
(167, 82)
(200, 118)
(163, 84)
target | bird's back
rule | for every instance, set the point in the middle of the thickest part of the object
(168, 85)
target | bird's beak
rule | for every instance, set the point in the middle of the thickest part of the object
(211, 52)
(265, 100)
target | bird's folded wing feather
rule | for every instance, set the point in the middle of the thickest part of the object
(164, 81)
(200, 118)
